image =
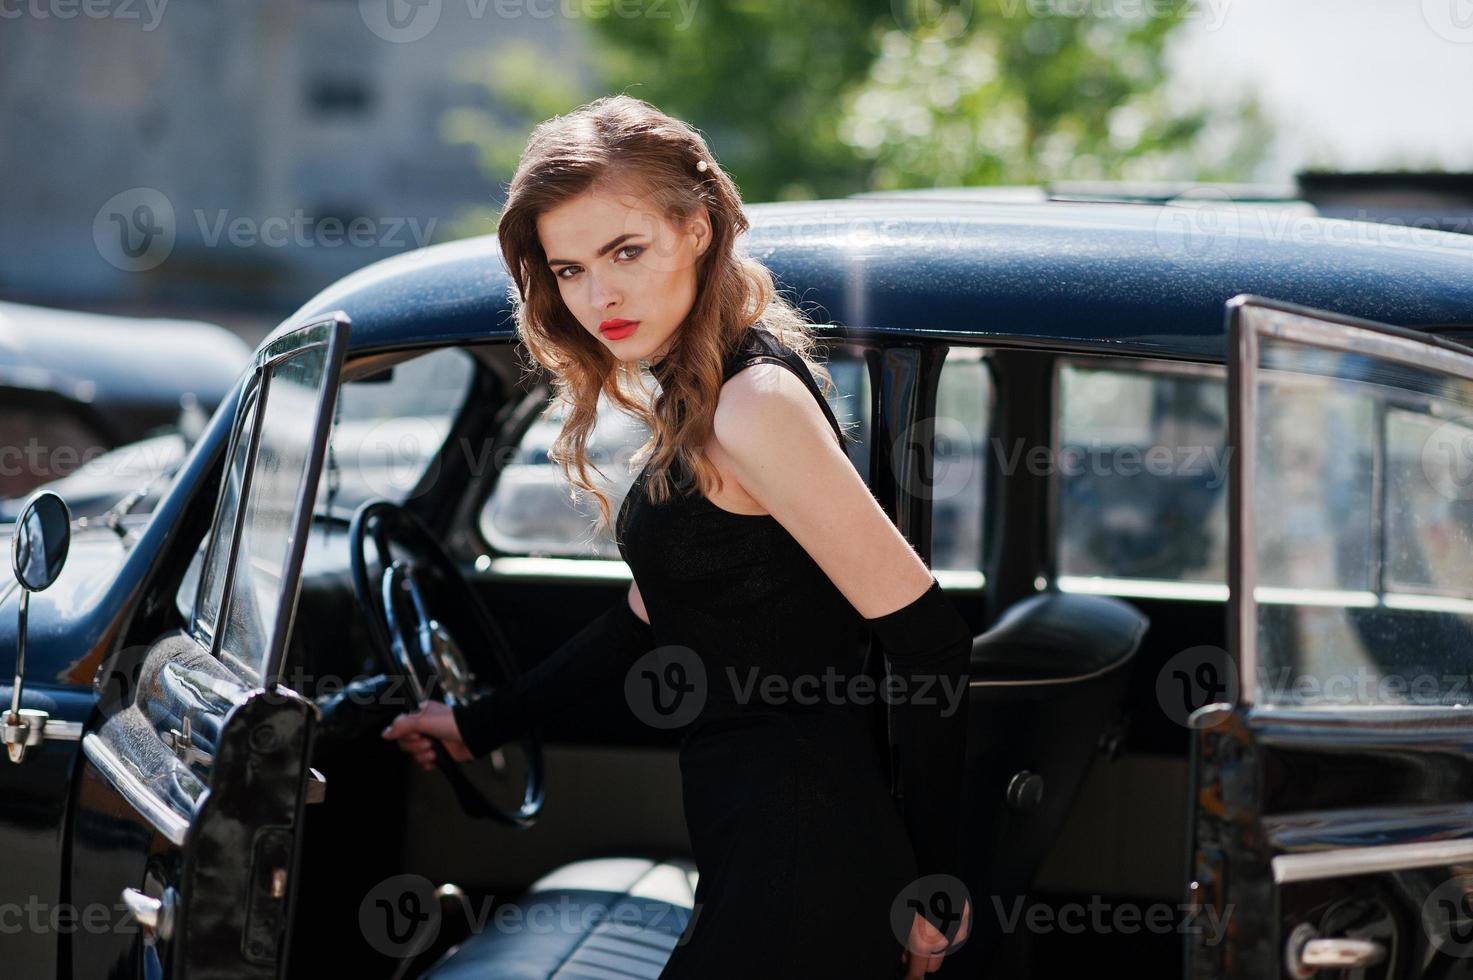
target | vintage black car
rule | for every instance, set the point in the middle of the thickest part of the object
(1199, 477)
(99, 405)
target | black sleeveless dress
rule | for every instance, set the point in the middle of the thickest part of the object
(800, 849)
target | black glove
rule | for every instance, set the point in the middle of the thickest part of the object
(598, 655)
(929, 647)
(362, 707)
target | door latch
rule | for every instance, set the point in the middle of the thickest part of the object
(1306, 953)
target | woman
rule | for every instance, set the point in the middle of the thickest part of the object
(760, 561)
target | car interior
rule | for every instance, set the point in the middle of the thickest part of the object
(1077, 777)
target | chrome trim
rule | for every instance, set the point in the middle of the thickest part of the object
(1272, 595)
(588, 569)
(164, 818)
(1307, 329)
(1423, 602)
(62, 731)
(1346, 861)
(615, 570)
(1141, 588)
(1242, 557)
(960, 579)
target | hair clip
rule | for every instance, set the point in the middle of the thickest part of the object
(701, 165)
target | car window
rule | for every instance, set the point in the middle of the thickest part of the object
(1139, 476)
(389, 426)
(1317, 538)
(963, 417)
(529, 512)
(1428, 519)
(216, 545)
(1362, 527)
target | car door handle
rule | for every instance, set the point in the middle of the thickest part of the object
(1343, 953)
(154, 914)
(1306, 953)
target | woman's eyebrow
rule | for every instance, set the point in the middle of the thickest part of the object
(601, 252)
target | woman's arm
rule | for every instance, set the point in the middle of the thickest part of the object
(784, 454)
(596, 656)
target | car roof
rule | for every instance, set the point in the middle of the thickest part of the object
(1136, 278)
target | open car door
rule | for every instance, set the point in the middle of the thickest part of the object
(1332, 819)
(191, 798)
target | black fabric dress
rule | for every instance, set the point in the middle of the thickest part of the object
(800, 849)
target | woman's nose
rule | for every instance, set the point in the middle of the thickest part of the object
(603, 294)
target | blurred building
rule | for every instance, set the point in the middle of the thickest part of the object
(171, 155)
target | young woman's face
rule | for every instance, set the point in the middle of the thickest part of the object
(617, 263)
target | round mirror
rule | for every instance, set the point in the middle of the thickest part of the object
(38, 548)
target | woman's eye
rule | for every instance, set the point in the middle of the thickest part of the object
(637, 249)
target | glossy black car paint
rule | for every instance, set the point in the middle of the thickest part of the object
(909, 278)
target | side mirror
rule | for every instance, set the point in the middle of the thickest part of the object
(43, 533)
(38, 550)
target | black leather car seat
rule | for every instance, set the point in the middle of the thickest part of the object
(614, 918)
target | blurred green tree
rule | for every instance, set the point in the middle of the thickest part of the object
(818, 98)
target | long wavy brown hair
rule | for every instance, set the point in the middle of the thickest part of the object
(625, 145)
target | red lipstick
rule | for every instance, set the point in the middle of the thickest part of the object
(617, 329)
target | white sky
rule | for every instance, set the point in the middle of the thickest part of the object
(1357, 84)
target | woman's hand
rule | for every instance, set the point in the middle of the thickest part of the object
(925, 950)
(433, 719)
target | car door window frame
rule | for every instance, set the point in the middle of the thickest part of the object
(1250, 318)
(254, 398)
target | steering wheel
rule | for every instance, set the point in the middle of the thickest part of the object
(415, 645)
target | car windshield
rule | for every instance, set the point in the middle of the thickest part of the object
(389, 425)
